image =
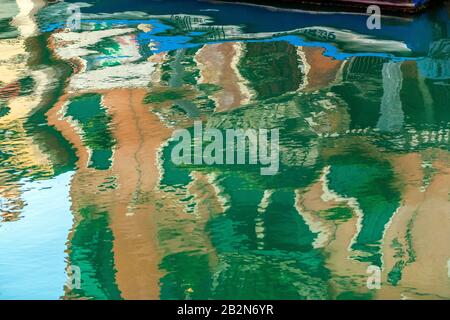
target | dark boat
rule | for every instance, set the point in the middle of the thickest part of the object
(405, 6)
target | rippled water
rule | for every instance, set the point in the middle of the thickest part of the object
(88, 187)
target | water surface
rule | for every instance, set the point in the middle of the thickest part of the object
(87, 180)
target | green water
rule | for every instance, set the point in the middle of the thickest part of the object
(363, 163)
(90, 116)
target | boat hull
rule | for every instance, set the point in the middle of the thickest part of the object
(405, 6)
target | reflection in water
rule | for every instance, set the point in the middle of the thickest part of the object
(33, 248)
(86, 118)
